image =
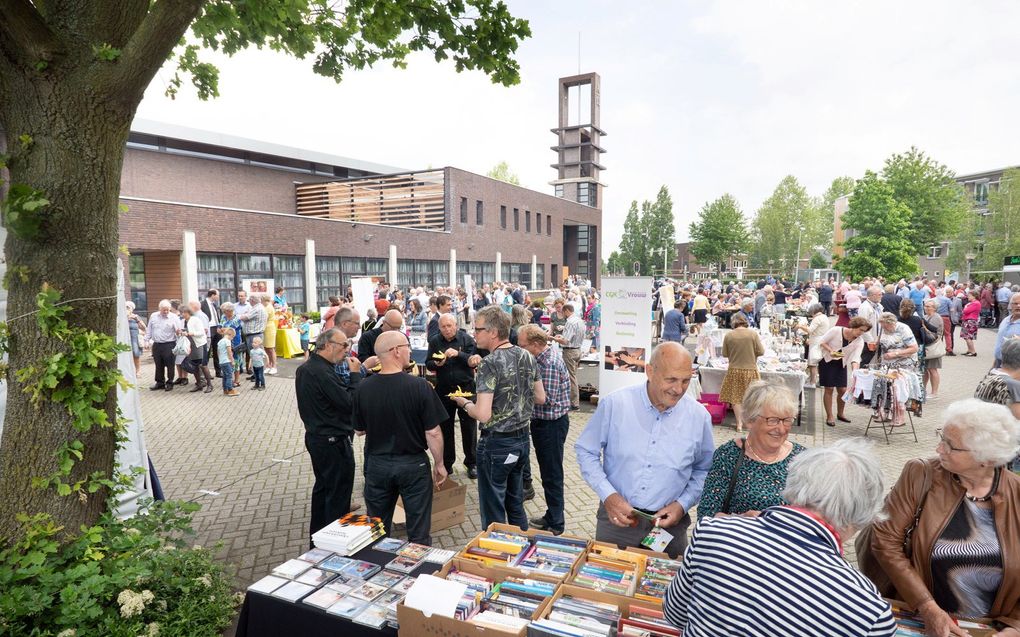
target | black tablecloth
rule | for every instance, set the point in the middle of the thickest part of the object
(267, 616)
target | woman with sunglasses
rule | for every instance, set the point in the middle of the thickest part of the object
(964, 559)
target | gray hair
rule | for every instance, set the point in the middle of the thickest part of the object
(1010, 354)
(227, 306)
(761, 393)
(875, 289)
(165, 303)
(495, 319)
(815, 308)
(325, 337)
(888, 317)
(130, 306)
(342, 315)
(987, 429)
(841, 482)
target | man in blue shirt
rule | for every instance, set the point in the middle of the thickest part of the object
(1009, 328)
(918, 294)
(646, 452)
(1002, 299)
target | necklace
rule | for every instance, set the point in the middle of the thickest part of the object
(747, 443)
(987, 496)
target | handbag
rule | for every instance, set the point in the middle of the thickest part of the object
(733, 478)
(869, 564)
(929, 337)
(183, 346)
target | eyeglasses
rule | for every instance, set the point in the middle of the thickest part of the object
(396, 347)
(480, 329)
(344, 344)
(944, 441)
(772, 421)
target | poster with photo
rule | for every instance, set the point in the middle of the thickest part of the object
(625, 332)
(258, 286)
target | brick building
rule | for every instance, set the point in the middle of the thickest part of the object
(207, 210)
(686, 266)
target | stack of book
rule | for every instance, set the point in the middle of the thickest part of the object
(349, 534)
(497, 548)
(518, 597)
(577, 617)
(552, 555)
(478, 588)
(659, 573)
(610, 570)
(646, 622)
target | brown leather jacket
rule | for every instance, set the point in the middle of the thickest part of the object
(912, 578)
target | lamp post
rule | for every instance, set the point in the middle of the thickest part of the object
(796, 260)
(970, 256)
(771, 262)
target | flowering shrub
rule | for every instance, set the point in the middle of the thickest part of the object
(118, 578)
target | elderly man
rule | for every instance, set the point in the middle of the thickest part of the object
(163, 328)
(550, 424)
(325, 404)
(571, 339)
(240, 308)
(448, 357)
(1002, 296)
(871, 309)
(346, 320)
(399, 416)
(211, 308)
(1009, 328)
(508, 387)
(646, 453)
(253, 320)
(791, 556)
(391, 321)
(444, 305)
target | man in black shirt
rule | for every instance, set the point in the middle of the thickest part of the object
(452, 371)
(399, 415)
(325, 403)
(392, 320)
(444, 305)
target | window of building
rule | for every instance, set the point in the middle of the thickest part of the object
(289, 272)
(463, 209)
(423, 274)
(487, 274)
(377, 267)
(405, 273)
(216, 272)
(517, 220)
(136, 278)
(441, 272)
(558, 190)
(479, 212)
(254, 266)
(582, 192)
(538, 222)
(548, 225)
(327, 280)
(525, 274)
(527, 221)
(349, 267)
(981, 193)
(540, 277)
(502, 217)
(934, 252)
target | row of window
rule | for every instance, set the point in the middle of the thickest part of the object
(480, 216)
(225, 271)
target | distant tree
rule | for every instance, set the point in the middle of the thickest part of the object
(818, 262)
(659, 230)
(778, 222)
(633, 247)
(614, 264)
(938, 206)
(879, 246)
(997, 233)
(502, 172)
(719, 232)
(825, 214)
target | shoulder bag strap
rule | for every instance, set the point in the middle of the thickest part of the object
(909, 533)
(733, 478)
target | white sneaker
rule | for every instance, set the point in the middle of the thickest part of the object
(271, 371)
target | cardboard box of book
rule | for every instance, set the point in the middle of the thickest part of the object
(415, 622)
(621, 572)
(505, 558)
(599, 613)
(447, 506)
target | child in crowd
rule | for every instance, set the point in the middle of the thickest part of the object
(258, 363)
(226, 357)
(303, 328)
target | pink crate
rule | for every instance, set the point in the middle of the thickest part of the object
(717, 411)
(709, 399)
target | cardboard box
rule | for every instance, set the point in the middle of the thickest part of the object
(624, 603)
(513, 571)
(447, 506)
(641, 555)
(414, 622)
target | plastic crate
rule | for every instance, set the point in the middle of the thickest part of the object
(717, 411)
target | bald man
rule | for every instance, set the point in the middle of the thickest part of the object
(646, 453)
(448, 356)
(399, 415)
(392, 321)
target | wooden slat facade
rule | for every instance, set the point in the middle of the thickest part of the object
(162, 277)
(408, 200)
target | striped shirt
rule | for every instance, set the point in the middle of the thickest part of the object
(573, 332)
(780, 573)
(556, 383)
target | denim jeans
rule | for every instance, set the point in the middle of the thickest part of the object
(227, 371)
(501, 460)
(408, 476)
(549, 437)
(260, 376)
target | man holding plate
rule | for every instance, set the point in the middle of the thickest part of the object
(448, 355)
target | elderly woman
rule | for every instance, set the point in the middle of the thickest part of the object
(195, 330)
(814, 330)
(933, 353)
(229, 319)
(897, 350)
(269, 338)
(742, 347)
(970, 316)
(841, 351)
(960, 513)
(783, 572)
(136, 326)
(748, 474)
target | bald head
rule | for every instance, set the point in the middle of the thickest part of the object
(392, 320)
(393, 351)
(668, 353)
(669, 370)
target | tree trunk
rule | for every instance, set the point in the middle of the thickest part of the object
(74, 158)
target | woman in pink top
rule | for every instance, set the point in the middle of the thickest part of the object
(971, 313)
(853, 301)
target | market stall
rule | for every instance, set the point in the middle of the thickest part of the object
(288, 342)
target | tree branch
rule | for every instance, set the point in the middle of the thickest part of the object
(25, 34)
(149, 47)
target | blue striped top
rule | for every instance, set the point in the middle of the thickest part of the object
(780, 573)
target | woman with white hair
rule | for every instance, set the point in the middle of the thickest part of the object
(136, 326)
(783, 572)
(814, 330)
(958, 515)
(748, 474)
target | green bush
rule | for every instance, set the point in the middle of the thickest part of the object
(314, 316)
(118, 578)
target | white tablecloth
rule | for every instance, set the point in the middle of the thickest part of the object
(712, 378)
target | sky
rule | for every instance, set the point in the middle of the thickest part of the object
(706, 98)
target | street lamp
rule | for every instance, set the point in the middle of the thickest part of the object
(970, 256)
(771, 262)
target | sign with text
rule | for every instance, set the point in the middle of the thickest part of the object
(625, 334)
(363, 294)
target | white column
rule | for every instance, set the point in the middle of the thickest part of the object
(393, 267)
(311, 292)
(499, 267)
(189, 268)
(534, 272)
(453, 267)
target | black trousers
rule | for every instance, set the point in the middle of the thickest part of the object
(468, 433)
(163, 357)
(333, 466)
(409, 477)
(214, 350)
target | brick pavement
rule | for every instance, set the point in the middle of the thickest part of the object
(208, 441)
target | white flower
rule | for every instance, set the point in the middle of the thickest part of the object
(68, 632)
(152, 630)
(132, 603)
(205, 580)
